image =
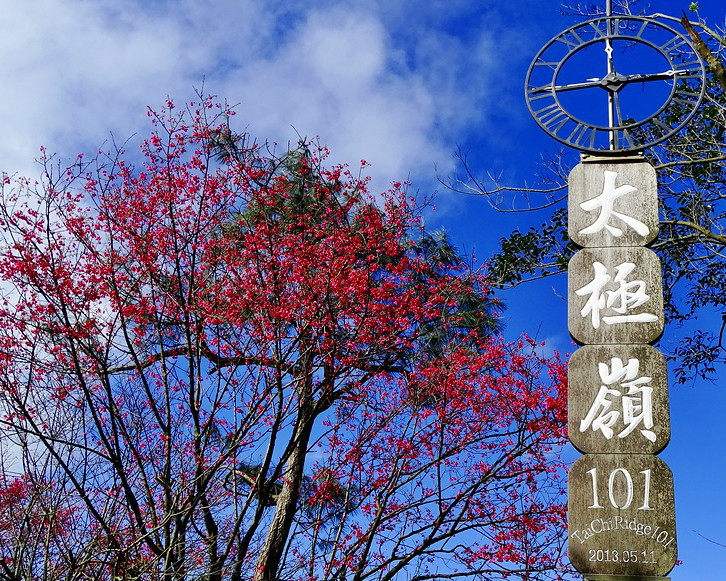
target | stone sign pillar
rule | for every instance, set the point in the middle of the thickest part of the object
(620, 495)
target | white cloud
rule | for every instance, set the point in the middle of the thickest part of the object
(375, 81)
(332, 77)
(75, 71)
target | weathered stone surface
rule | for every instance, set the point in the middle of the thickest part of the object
(621, 515)
(618, 399)
(615, 296)
(613, 204)
(623, 578)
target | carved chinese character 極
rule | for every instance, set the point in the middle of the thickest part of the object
(627, 296)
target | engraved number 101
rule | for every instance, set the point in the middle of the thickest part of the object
(621, 473)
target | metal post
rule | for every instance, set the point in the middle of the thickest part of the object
(611, 70)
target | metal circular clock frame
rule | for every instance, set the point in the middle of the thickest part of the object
(686, 77)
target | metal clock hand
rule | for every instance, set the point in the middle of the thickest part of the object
(569, 87)
(666, 75)
(613, 82)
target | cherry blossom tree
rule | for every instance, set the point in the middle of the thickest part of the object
(230, 364)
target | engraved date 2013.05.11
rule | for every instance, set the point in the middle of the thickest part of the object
(616, 556)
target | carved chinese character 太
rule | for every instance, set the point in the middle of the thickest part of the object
(612, 204)
(605, 203)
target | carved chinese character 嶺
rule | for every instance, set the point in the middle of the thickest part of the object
(636, 404)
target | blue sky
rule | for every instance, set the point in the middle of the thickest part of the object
(398, 83)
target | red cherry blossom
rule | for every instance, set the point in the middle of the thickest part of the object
(228, 364)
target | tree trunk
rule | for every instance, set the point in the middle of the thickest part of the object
(268, 563)
(714, 65)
